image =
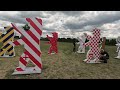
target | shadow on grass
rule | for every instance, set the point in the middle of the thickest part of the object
(21, 76)
(24, 76)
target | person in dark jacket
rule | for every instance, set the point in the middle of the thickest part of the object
(74, 45)
(104, 56)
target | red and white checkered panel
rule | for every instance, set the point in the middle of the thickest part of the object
(94, 44)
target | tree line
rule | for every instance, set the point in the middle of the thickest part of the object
(110, 42)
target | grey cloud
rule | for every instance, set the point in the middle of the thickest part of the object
(47, 33)
(84, 21)
(49, 29)
(14, 19)
(24, 14)
(98, 20)
(20, 18)
(102, 19)
(52, 12)
(73, 13)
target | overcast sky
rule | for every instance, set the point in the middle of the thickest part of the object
(68, 23)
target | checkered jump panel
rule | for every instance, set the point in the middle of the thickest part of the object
(94, 51)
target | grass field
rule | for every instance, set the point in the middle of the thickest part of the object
(64, 65)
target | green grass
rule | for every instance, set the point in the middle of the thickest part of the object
(64, 65)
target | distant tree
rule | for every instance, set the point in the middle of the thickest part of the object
(110, 42)
(107, 42)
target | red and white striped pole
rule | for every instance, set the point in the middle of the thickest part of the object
(31, 42)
